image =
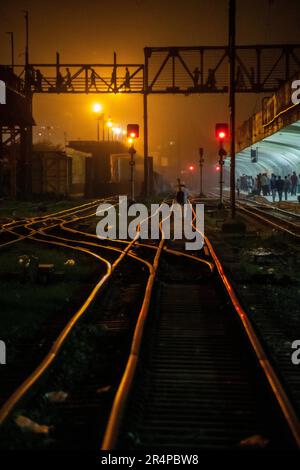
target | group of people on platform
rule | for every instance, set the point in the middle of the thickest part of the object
(273, 185)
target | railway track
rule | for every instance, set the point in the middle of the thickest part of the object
(196, 374)
(282, 220)
(279, 219)
(54, 332)
(204, 380)
(51, 231)
(16, 230)
(31, 354)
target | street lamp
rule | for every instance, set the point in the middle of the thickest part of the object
(109, 125)
(201, 163)
(117, 131)
(97, 108)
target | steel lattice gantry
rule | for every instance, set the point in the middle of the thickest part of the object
(169, 70)
(205, 69)
(183, 70)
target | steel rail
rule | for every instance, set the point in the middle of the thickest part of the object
(30, 221)
(73, 211)
(271, 207)
(139, 244)
(121, 397)
(264, 218)
(36, 374)
(8, 227)
(277, 388)
(120, 401)
(267, 205)
(19, 393)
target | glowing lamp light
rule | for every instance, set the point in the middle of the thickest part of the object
(218, 168)
(130, 140)
(109, 124)
(222, 131)
(97, 108)
(191, 167)
(133, 131)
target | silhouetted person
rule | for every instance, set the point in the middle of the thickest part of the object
(264, 184)
(127, 79)
(38, 80)
(69, 79)
(286, 187)
(294, 182)
(59, 81)
(93, 80)
(196, 77)
(179, 193)
(113, 83)
(273, 187)
(211, 79)
(31, 75)
(279, 187)
(238, 187)
(182, 193)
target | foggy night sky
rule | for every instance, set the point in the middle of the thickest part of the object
(90, 31)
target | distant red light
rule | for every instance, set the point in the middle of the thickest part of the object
(133, 131)
(218, 168)
(222, 131)
(191, 167)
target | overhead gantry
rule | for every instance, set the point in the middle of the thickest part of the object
(166, 70)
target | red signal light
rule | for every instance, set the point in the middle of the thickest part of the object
(218, 168)
(133, 131)
(222, 131)
(191, 167)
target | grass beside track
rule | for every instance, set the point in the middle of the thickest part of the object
(20, 209)
(27, 303)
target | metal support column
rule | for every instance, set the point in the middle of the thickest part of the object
(11, 35)
(146, 172)
(232, 59)
(201, 162)
(222, 155)
(132, 152)
(145, 102)
(25, 177)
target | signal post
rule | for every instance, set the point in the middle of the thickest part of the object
(201, 163)
(221, 135)
(132, 134)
